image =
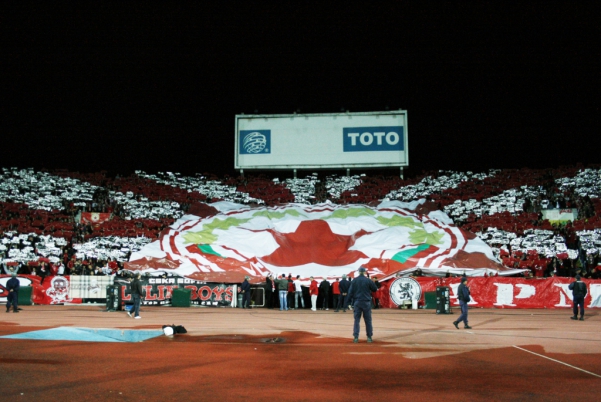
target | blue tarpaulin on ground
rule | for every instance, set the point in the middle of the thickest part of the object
(88, 335)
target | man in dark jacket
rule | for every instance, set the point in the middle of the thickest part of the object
(360, 292)
(343, 300)
(136, 294)
(579, 292)
(12, 286)
(245, 290)
(271, 292)
(463, 294)
(324, 292)
(282, 284)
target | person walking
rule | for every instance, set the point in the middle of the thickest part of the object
(579, 292)
(298, 293)
(245, 290)
(137, 293)
(12, 286)
(463, 294)
(313, 291)
(343, 300)
(360, 292)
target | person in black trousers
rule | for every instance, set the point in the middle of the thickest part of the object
(12, 286)
(245, 290)
(579, 292)
(463, 294)
(137, 293)
(360, 292)
(343, 300)
(324, 292)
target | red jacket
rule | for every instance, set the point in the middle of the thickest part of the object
(313, 290)
(336, 288)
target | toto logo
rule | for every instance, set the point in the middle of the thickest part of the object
(357, 139)
(403, 289)
(255, 141)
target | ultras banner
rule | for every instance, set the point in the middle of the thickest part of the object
(498, 292)
(158, 292)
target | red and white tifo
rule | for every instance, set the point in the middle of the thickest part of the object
(323, 240)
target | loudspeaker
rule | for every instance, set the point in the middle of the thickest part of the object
(113, 296)
(443, 304)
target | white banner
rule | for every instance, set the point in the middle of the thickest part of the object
(560, 215)
(89, 287)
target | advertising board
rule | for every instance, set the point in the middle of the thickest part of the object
(336, 140)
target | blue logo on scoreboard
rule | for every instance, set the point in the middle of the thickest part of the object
(255, 142)
(359, 139)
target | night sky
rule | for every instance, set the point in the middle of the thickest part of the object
(156, 86)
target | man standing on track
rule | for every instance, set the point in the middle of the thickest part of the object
(360, 292)
(343, 300)
(463, 294)
(282, 284)
(324, 291)
(336, 293)
(136, 293)
(298, 293)
(579, 292)
(12, 286)
(313, 291)
(245, 290)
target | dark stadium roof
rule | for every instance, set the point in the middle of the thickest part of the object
(136, 85)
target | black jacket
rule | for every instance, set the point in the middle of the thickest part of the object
(361, 288)
(324, 287)
(136, 287)
(578, 288)
(344, 286)
(463, 293)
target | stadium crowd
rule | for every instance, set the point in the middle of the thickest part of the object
(43, 230)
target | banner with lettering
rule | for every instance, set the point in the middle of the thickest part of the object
(158, 292)
(493, 292)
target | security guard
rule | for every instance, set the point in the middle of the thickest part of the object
(12, 285)
(360, 292)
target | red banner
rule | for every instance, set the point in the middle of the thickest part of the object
(54, 289)
(94, 218)
(497, 292)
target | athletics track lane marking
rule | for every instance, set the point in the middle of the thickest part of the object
(558, 361)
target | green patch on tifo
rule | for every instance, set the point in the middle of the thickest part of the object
(277, 214)
(351, 213)
(422, 236)
(404, 255)
(206, 236)
(396, 220)
(207, 249)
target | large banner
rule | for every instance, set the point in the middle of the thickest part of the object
(158, 292)
(337, 140)
(497, 292)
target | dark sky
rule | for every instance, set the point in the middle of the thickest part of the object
(153, 86)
